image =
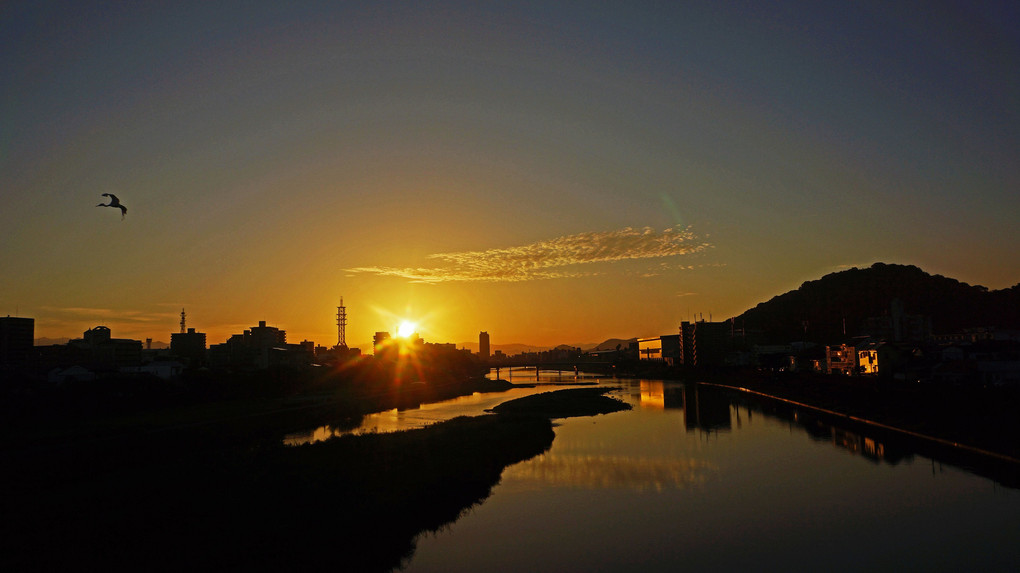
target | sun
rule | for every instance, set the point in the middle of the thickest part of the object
(406, 329)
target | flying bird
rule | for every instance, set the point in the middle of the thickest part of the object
(114, 202)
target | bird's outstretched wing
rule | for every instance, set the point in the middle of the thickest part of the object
(114, 202)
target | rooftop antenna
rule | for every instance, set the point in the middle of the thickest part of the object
(341, 325)
(182, 321)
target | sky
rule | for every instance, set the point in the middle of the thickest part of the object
(548, 172)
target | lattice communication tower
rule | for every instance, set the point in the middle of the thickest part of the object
(341, 325)
(182, 320)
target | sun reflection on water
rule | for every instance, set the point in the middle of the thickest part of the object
(595, 471)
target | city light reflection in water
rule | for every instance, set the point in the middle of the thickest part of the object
(694, 478)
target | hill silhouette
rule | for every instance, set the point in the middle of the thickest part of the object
(612, 344)
(816, 311)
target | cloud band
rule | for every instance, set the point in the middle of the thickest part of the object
(548, 259)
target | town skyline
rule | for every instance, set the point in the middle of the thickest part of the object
(921, 290)
(404, 329)
(548, 174)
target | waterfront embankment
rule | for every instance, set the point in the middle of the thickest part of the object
(980, 418)
(972, 428)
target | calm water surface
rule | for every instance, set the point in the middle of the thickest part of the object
(696, 479)
(474, 405)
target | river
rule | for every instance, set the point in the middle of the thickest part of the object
(396, 419)
(695, 478)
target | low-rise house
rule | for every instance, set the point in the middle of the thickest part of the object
(869, 357)
(650, 349)
(840, 359)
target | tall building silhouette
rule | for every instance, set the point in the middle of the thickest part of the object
(17, 337)
(98, 346)
(703, 344)
(189, 345)
(379, 340)
(483, 345)
(258, 347)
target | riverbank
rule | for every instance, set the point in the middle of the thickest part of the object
(980, 418)
(974, 429)
(71, 443)
(565, 403)
(354, 502)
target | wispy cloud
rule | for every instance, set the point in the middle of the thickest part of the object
(548, 259)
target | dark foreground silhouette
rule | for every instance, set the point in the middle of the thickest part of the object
(564, 403)
(355, 503)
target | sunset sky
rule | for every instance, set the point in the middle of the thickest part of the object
(549, 172)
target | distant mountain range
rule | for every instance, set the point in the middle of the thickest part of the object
(817, 310)
(511, 349)
(51, 341)
(611, 344)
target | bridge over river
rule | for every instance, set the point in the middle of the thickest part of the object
(561, 367)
